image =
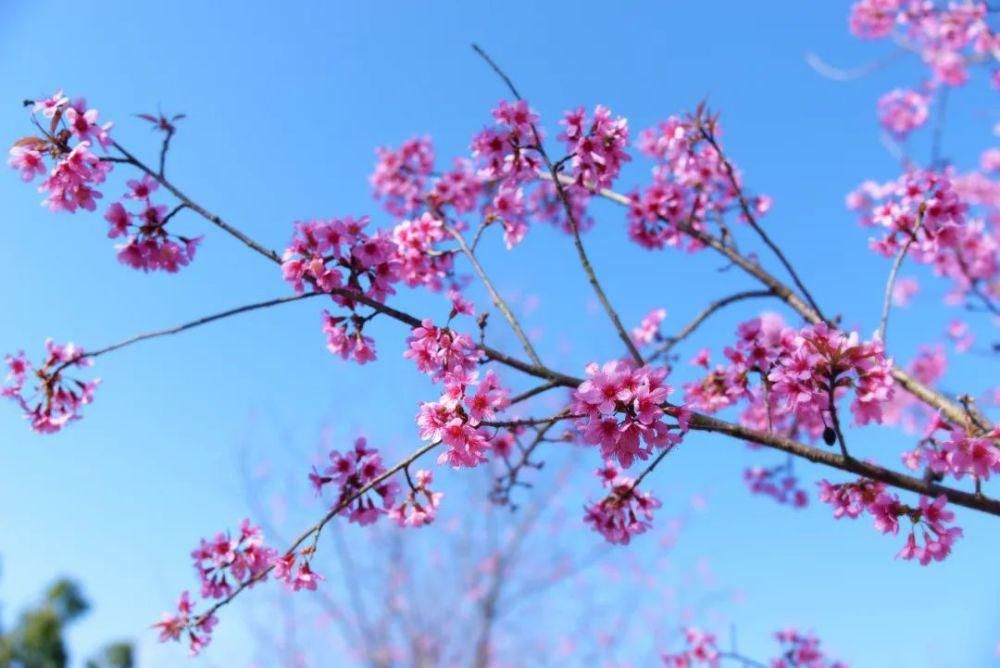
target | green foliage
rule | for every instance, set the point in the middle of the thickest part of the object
(36, 641)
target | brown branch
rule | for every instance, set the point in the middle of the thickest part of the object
(970, 500)
(949, 409)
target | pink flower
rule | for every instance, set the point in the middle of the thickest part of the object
(638, 396)
(902, 111)
(597, 146)
(51, 105)
(28, 160)
(401, 175)
(443, 353)
(420, 507)
(931, 517)
(305, 578)
(701, 650)
(198, 629)
(82, 123)
(873, 19)
(904, 291)
(624, 512)
(649, 329)
(56, 398)
(355, 473)
(225, 562)
(420, 262)
(508, 152)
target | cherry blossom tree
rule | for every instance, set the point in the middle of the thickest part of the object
(789, 381)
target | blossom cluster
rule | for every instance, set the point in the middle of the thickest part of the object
(441, 352)
(197, 627)
(355, 473)
(72, 133)
(500, 182)
(456, 417)
(54, 398)
(420, 261)
(294, 569)
(597, 146)
(801, 650)
(622, 408)
(420, 506)
(451, 358)
(649, 329)
(948, 37)
(930, 211)
(947, 449)
(691, 184)
(508, 151)
(777, 482)
(625, 511)
(147, 243)
(227, 562)
(797, 650)
(401, 175)
(870, 496)
(902, 111)
(803, 373)
(224, 565)
(345, 344)
(337, 256)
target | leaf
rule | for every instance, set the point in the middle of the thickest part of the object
(32, 142)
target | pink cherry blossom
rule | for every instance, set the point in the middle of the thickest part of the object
(649, 329)
(623, 411)
(625, 511)
(226, 562)
(420, 507)
(353, 471)
(401, 175)
(929, 518)
(904, 291)
(597, 146)
(184, 622)
(55, 398)
(902, 111)
(508, 151)
(28, 160)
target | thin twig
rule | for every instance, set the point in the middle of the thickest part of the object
(571, 217)
(896, 264)
(495, 296)
(671, 341)
(752, 220)
(317, 528)
(191, 325)
(949, 409)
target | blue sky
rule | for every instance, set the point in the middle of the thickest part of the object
(285, 107)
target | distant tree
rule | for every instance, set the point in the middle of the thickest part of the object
(37, 640)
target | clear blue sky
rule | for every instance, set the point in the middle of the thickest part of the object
(285, 107)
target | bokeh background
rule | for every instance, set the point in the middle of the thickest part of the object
(285, 105)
